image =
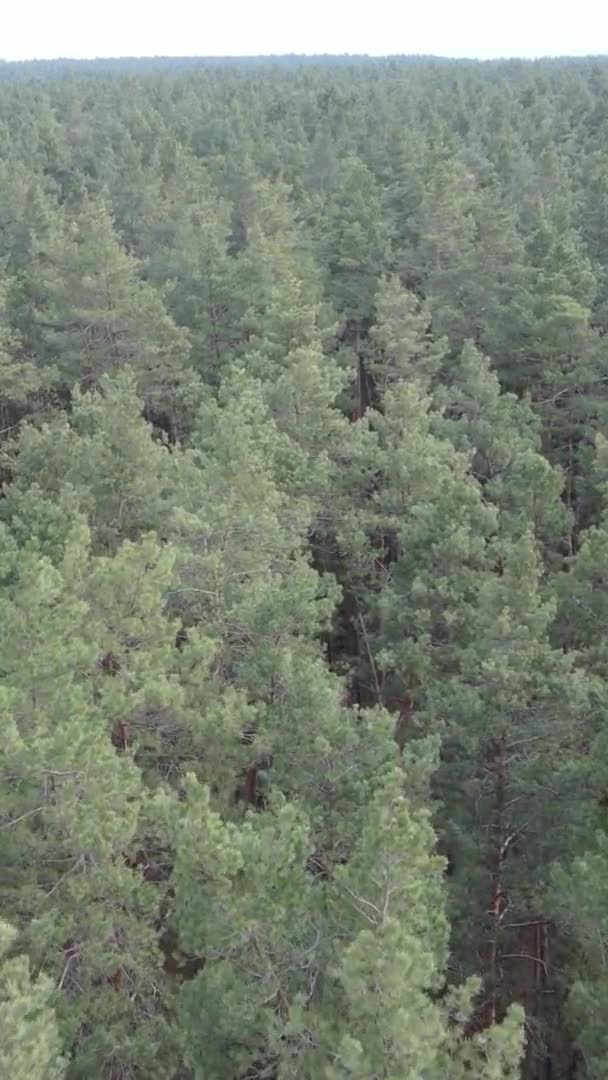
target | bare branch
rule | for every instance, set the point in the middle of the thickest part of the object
(15, 821)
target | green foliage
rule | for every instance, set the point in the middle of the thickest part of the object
(97, 316)
(401, 335)
(328, 977)
(303, 570)
(30, 1040)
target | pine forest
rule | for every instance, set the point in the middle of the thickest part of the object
(304, 570)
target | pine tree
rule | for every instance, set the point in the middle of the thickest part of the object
(402, 338)
(75, 808)
(323, 976)
(503, 435)
(97, 316)
(353, 242)
(29, 1046)
(101, 458)
(188, 259)
(22, 381)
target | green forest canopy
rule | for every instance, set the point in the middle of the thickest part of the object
(304, 570)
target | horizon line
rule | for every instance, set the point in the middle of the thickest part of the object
(220, 57)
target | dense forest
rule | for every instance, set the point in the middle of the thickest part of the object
(304, 571)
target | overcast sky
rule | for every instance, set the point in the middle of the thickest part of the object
(478, 28)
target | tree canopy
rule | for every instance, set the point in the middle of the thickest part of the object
(303, 569)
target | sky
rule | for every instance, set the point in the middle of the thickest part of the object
(472, 28)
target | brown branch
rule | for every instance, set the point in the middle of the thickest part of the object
(377, 686)
(524, 956)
